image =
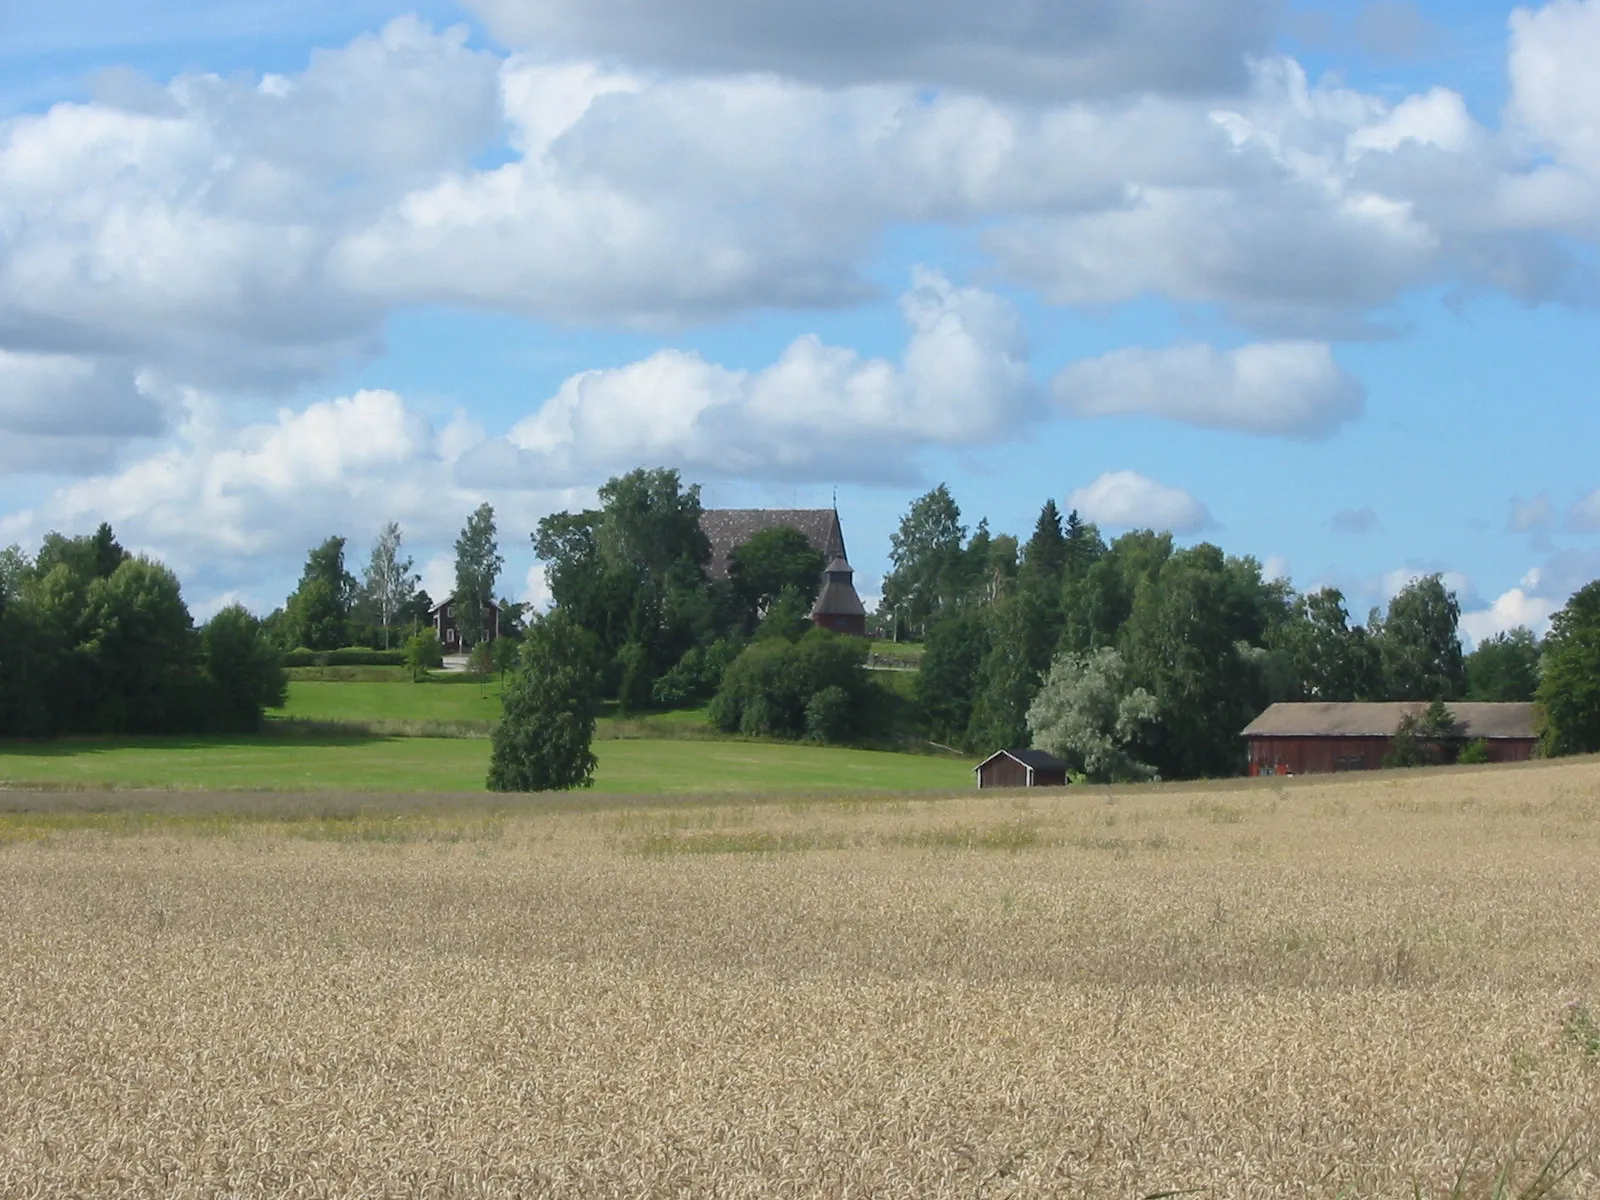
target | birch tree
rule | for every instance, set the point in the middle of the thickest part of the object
(390, 580)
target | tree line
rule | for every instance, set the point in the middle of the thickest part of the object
(331, 609)
(94, 640)
(1130, 658)
(1135, 658)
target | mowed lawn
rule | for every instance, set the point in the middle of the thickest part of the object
(318, 700)
(448, 703)
(411, 764)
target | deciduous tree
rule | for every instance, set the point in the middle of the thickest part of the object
(926, 552)
(1569, 689)
(390, 580)
(948, 682)
(1419, 645)
(1089, 713)
(1180, 647)
(1328, 658)
(245, 669)
(769, 689)
(543, 742)
(771, 562)
(423, 653)
(1504, 667)
(478, 565)
(633, 572)
(317, 614)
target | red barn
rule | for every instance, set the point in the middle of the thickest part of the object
(1308, 739)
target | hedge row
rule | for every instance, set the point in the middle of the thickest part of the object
(347, 656)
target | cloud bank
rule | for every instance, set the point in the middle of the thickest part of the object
(1065, 49)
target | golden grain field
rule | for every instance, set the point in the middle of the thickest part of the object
(1310, 990)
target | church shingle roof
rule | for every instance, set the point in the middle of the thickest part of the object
(727, 528)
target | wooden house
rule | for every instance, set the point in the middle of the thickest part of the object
(1306, 739)
(1021, 768)
(443, 617)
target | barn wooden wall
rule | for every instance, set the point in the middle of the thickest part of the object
(1323, 755)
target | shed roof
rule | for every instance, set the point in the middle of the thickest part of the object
(1473, 720)
(727, 528)
(1039, 760)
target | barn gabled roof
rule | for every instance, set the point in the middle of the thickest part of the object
(1039, 760)
(1473, 719)
(728, 528)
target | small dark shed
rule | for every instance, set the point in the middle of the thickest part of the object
(1306, 739)
(1021, 768)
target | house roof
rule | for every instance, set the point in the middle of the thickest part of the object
(727, 528)
(1473, 720)
(451, 599)
(1039, 760)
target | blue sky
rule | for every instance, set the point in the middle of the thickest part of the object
(1317, 283)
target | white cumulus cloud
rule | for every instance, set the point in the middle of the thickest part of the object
(1555, 90)
(1284, 389)
(819, 409)
(1127, 499)
(1509, 610)
(274, 487)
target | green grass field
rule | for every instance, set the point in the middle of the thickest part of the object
(453, 703)
(412, 764)
(316, 700)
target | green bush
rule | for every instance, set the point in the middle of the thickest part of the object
(828, 715)
(347, 656)
(422, 653)
(768, 690)
(678, 686)
(1475, 751)
(246, 674)
(697, 675)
